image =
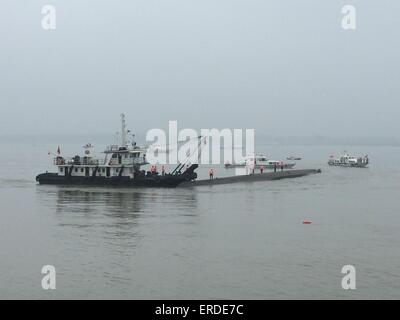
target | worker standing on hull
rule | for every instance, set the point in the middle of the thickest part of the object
(211, 174)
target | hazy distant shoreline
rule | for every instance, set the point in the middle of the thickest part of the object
(263, 139)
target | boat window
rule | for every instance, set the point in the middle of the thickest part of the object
(61, 169)
(76, 169)
(114, 155)
(126, 156)
(81, 169)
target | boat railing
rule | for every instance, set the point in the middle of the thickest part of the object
(111, 148)
(85, 161)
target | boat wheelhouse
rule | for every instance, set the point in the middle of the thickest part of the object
(117, 161)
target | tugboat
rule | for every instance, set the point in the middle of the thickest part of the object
(120, 167)
(259, 161)
(349, 161)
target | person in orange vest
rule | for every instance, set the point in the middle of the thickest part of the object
(262, 169)
(211, 174)
(163, 170)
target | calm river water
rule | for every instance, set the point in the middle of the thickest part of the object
(241, 241)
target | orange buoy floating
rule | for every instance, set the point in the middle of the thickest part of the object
(306, 222)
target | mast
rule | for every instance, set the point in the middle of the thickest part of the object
(123, 130)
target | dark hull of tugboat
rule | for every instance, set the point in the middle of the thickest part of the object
(153, 181)
(161, 181)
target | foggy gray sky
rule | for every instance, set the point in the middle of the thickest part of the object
(282, 67)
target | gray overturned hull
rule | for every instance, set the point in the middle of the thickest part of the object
(251, 178)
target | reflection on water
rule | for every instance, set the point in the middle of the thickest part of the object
(118, 211)
(120, 203)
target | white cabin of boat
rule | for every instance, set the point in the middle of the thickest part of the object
(119, 160)
(262, 160)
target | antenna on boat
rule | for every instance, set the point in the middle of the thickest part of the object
(123, 130)
(133, 140)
